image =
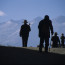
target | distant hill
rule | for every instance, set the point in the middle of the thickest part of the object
(9, 31)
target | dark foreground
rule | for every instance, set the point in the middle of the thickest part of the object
(14, 55)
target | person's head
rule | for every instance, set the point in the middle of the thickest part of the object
(62, 34)
(55, 34)
(46, 17)
(25, 22)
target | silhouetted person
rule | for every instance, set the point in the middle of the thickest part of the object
(44, 27)
(24, 33)
(55, 40)
(62, 40)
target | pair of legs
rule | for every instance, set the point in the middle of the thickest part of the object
(63, 44)
(24, 41)
(55, 45)
(42, 39)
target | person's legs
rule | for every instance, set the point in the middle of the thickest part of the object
(46, 44)
(26, 40)
(62, 43)
(23, 42)
(41, 44)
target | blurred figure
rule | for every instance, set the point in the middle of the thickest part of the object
(24, 33)
(62, 40)
(44, 27)
(55, 40)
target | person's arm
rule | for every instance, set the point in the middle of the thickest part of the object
(51, 27)
(20, 33)
(59, 41)
(39, 26)
(29, 28)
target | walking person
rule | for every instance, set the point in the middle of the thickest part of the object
(45, 26)
(62, 40)
(24, 33)
(55, 41)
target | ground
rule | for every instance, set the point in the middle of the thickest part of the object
(31, 55)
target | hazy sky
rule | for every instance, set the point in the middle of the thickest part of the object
(29, 9)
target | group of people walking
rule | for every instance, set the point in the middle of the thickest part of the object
(56, 41)
(45, 27)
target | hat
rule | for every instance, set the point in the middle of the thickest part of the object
(62, 34)
(25, 21)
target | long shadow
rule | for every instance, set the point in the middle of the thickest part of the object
(13, 55)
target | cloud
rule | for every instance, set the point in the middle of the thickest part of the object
(2, 13)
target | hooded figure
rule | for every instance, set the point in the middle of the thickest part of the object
(55, 39)
(45, 26)
(24, 33)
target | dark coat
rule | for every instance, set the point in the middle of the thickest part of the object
(62, 38)
(44, 28)
(55, 40)
(24, 31)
